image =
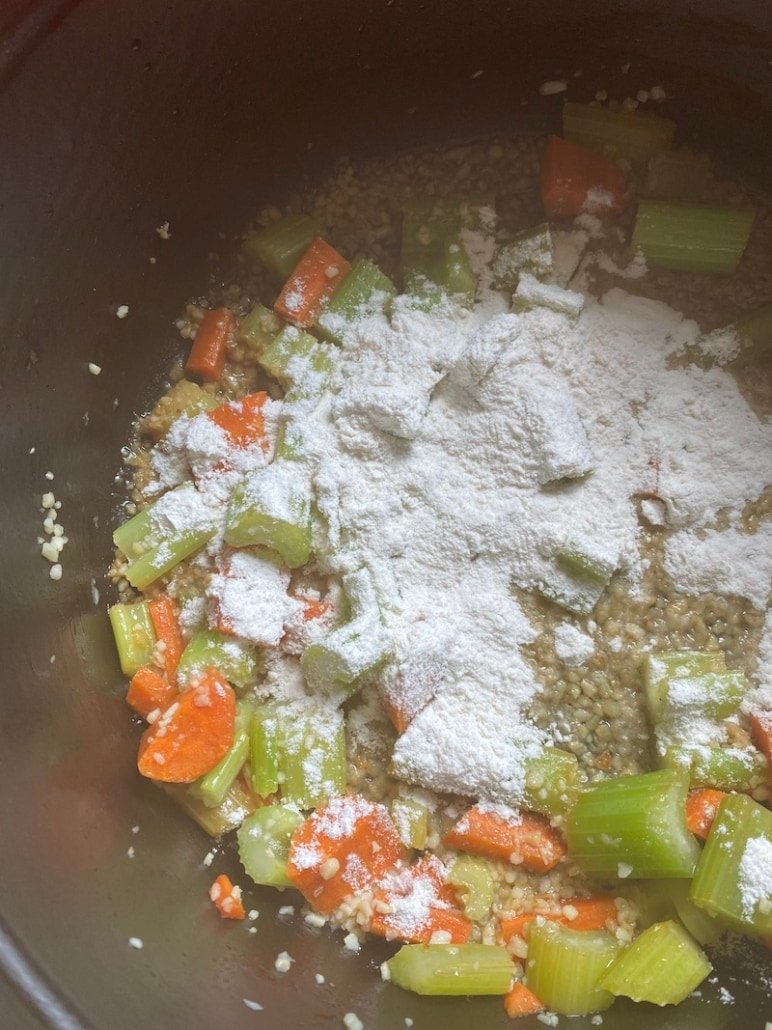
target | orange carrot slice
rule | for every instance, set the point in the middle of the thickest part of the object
(242, 421)
(210, 347)
(149, 691)
(227, 898)
(575, 181)
(591, 914)
(342, 848)
(524, 839)
(315, 278)
(163, 615)
(413, 904)
(701, 808)
(192, 734)
(519, 1001)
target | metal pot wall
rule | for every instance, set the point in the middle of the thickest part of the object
(115, 118)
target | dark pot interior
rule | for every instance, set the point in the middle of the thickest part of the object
(115, 118)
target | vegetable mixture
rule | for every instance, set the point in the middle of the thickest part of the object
(266, 663)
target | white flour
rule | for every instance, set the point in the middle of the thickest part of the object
(572, 645)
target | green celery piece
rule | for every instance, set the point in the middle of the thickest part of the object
(364, 291)
(184, 398)
(264, 745)
(264, 843)
(551, 782)
(210, 649)
(134, 635)
(133, 536)
(563, 967)
(723, 768)
(272, 508)
(335, 665)
(662, 966)
(633, 135)
(742, 827)
(692, 237)
(164, 557)
(634, 826)
(660, 667)
(312, 755)
(213, 787)
(583, 569)
(281, 245)
(411, 819)
(452, 969)
(530, 251)
(259, 328)
(703, 928)
(590, 564)
(431, 248)
(473, 882)
(676, 175)
(287, 346)
(236, 806)
(716, 694)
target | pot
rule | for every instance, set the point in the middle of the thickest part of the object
(116, 118)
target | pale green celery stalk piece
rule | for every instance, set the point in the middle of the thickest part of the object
(213, 787)
(211, 649)
(703, 928)
(236, 806)
(272, 508)
(583, 569)
(264, 749)
(264, 843)
(715, 694)
(660, 667)
(692, 237)
(312, 756)
(365, 291)
(411, 819)
(563, 967)
(473, 882)
(551, 782)
(259, 328)
(634, 827)
(633, 135)
(531, 293)
(431, 248)
(280, 246)
(676, 175)
(452, 969)
(723, 768)
(335, 664)
(726, 883)
(662, 966)
(184, 398)
(530, 251)
(134, 635)
(287, 346)
(165, 556)
(133, 537)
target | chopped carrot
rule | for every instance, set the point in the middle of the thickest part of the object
(242, 421)
(315, 278)
(519, 1001)
(163, 614)
(315, 608)
(526, 839)
(343, 847)
(701, 808)
(398, 716)
(591, 914)
(761, 733)
(413, 904)
(207, 355)
(192, 734)
(299, 628)
(575, 181)
(227, 898)
(149, 691)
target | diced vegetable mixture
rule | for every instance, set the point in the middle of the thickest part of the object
(294, 695)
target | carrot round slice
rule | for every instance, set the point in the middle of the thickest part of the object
(413, 904)
(192, 734)
(149, 691)
(242, 421)
(227, 898)
(523, 839)
(701, 808)
(519, 1001)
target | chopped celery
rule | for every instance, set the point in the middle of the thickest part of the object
(134, 635)
(452, 969)
(473, 882)
(281, 245)
(564, 966)
(210, 649)
(583, 569)
(551, 782)
(692, 237)
(530, 251)
(335, 664)
(292, 354)
(661, 667)
(723, 768)
(676, 175)
(272, 508)
(714, 694)
(259, 328)
(213, 787)
(633, 135)
(184, 398)
(165, 556)
(364, 291)
(264, 750)
(732, 881)
(131, 537)
(531, 293)
(264, 843)
(662, 966)
(235, 807)
(431, 249)
(586, 559)
(411, 819)
(312, 755)
(634, 826)
(700, 925)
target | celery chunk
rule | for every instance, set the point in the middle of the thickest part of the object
(233, 810)
(676, 175)
(411, 820)
(272, 508)
(259, 328)
(531, 293)
(703, 928)
(563, 967)
(551, 782)
(264, 843)
(210, 649)
(530, 251)
(583, 569)
(714, 694)
(264, 745)
(365, 291)
(661, 667)
(733, 881)
(473, 882)
(431, 249)
(293, 356)
(213, 787)
(723, 768)
(452, 969)
(281, 245)
(634, 826)
(633, 135)
(692, 237)
(662, 966)
(134, 635)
